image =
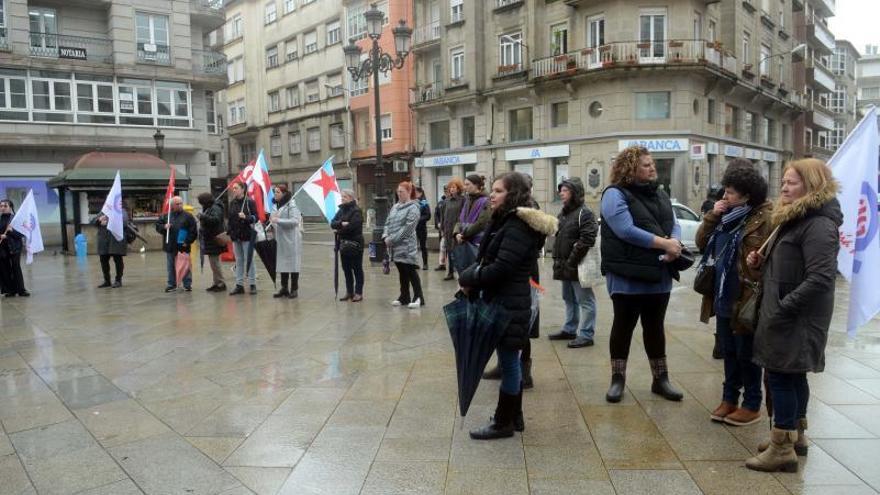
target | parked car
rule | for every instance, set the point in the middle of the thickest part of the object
(689, 222)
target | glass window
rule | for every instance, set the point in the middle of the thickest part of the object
(559, 114)
(653, 106)
(652, 31)
(385, 121)
(152, 38)
(559, 39)
(713, 31)
(731, 121)
(274, 101)
(356, 24)
(289, 6)
(271, 12)
(272, 57)
(314, 137)
(710, 108)
(234, 28)
(40, 94)
(311, 42)
(439, 134)
(511, 49)
(312, 91)
(291, 47)
(292, 94)
(747, 48)
(765, 60)
(337, 136)
(333, 33)
(468, 131)
(521, 124)
(560, 172)
(457, 64)
(294, 142)
(210, 115)
(457, 10)
(751, 127)
(275, 146)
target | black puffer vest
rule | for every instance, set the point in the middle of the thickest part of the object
(651, 211)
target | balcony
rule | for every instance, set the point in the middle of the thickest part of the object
(818, 116)
(825, 8)
(427, 34)
(60, 46)
(819, 36)
(817, 74)
(505, 5)
(209, 63)
(456, 17)
(207, 13)
(426, 93)
(153, 53)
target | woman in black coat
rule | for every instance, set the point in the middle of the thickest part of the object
(211, 224)
(109, 247)
(507, 253)
(11, 245)
(348, 225)
(242, 216)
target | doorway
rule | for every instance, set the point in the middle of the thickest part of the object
(664, 174)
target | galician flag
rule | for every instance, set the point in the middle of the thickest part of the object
(27, 223)
(855, 166)
(324, 190)
(112, 209)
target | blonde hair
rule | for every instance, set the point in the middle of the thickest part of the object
(623, 171)
(815, 174)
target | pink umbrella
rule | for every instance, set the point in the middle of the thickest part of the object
(182, 266)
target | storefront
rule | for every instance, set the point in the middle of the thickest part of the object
(436, 171)
(17, 178)
(672, 159)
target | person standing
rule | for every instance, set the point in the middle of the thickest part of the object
(451, 212)
(178, 230)
(577, 235)
(438, 221)
(240, 222)
(737, 224)
(287, 220)
(473, 219)
(211, 221)
(348, 225)
(11, 245)
(422, 226)
(400, 238)
(640, 240)
(797, 302)
(512, 242)
(108, 247)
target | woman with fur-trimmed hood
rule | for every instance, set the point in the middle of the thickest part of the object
(799, 269)
(508, 250)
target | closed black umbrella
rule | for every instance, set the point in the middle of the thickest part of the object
(266, 250)
(476, 328)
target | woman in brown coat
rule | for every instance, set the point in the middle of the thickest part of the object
(737, 224)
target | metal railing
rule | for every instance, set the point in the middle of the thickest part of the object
(213, 6)
(427, 33)
(153, 53)
(457, 16)
(429, 92)
(505, 3)
(70, 47)
(209, 63)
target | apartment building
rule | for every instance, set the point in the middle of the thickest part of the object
(397, 133)
(104, 75)
(814, 77)
(556, 89)
(868, 77)
(286, 93)
(844, 100)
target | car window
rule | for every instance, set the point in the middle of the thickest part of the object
(685, 214)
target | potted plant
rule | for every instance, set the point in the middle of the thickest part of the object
(675, 44)
(561, 58)
(587, 51)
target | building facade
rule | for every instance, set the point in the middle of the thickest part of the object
(814, 77)
(844, 100)
(286, 88)
(104, 75)
(556, 89)
(868, 77)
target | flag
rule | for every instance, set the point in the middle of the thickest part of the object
(261, 177)
(855, 166)
(255, 177)
(169, 193)
(112, 209)
(324, 190)
(27, 223)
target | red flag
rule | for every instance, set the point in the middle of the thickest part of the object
(169, 193)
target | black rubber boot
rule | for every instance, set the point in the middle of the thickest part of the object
(716, 350)
(519, 422)
(501, 425)
(663, 388)
(527, 381)
(615, 391)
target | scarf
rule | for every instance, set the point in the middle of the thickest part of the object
(732, 222)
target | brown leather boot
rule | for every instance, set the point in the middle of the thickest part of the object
(722, 411)
(800, 446)
(779, 455)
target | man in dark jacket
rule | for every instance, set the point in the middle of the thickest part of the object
(179, 230)
(576, 235)
(211, 225)
(108, 247)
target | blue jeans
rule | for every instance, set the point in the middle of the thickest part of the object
(580, 309)
(172, 273)
(739, 371)
(511, 373)
(240, 249)
(790, 393)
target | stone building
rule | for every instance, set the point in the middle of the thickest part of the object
(868, 77)
(844, 100)
(556, 89)
(103, 75)
(812, 75)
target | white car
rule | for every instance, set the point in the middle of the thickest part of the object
(689, 222)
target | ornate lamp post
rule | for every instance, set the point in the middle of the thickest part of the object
(378, 61)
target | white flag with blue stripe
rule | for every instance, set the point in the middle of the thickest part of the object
(324, 190)
(112, 209)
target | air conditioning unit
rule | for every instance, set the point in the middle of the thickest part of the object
(401, 166)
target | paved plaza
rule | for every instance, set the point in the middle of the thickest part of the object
(132, 390)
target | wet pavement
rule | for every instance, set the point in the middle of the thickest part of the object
(131, 390)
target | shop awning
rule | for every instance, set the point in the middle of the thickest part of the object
(97, 169)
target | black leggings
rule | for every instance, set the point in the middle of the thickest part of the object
(628, 308)
(294, 280)
(105, 266)
(422, 235)
(409, 275)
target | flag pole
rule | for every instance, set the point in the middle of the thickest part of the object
(168, 221)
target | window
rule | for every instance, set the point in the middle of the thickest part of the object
(292, 95)
(210, 115)
(520, 124)
(559, 39)
(44, 30)
(271, 12)
(136, 102)
(311, 42)
(294, 142)
(468, 131)
(385, 122)
(559, 114)
(837, 136)
(358, 87)
(595, 38)
(291, 47)
(333, 33)
(731, 121)
(312, 91)
(314, 137)
(235, 70)
(713, 31)
(439, 134)
(248, 152)
(356, 24)
(152, 38)
(457, 64)
(710, 109)
(334, 85)
(769, 132)
(751, 127)
(560, 172)
(511, 49)
(275, 145)
(237, 113)
(457, 10)
(94, 101)
(652, 30)
(234, 28)
(274, 101)
(212, 159)
(698, 26)
(838, 100)
(747, 48)
(172, 104)
(289, 6)
(337, 136)
(765, 61)
(653, 105)
(272, 57)
(871, 93)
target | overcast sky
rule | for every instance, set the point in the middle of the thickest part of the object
(857, 21)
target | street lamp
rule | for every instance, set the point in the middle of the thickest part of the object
(378, 61)
(160, 142)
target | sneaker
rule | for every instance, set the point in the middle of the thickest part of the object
(396, 303)
(170, 289)
(105, 285)
(253, 289)
(743, 417)
(187, 289)
(238, 290)
(580, 342)
(722, 411)
(357, 298)
(117, 284)
(562, 336)
(418, 303)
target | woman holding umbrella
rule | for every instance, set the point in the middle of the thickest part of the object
(348, 225)
(501, 275)
(287, 221)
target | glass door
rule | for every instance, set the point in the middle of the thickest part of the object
(595, 39)
(664, 174)
(44, 32)
(652, 37)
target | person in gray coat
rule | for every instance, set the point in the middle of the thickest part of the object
(400, 238)
(108, 247)
(451, 212)
(797, 301)
(287, 221)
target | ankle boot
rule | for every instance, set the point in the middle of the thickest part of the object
(661, 385)
(519, 422)
(281, 293)
(501, 424)
(801, 447)
(618, 381)
(716, 349)
(779, 456)
(492, 374)
(527, 381)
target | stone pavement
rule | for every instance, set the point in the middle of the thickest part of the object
(136, 391)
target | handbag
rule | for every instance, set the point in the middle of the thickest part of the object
(349, 247)
(747, 315)
(684, 261)
(590, 267)
(704, 280)
(222, 239)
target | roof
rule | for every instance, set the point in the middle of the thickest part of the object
(97, 169)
